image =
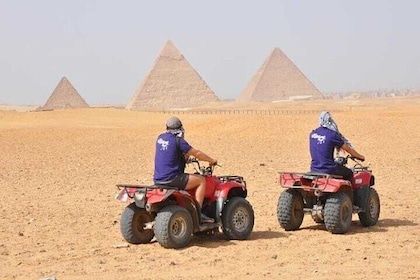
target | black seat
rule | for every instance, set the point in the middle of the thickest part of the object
(163, 186)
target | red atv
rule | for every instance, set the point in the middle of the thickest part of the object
(330, 199)
(172, 215)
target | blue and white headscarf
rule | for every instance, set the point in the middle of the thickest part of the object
(326, 120)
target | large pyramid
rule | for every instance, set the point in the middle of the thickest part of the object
(64, 96)
(277, 79)
(171, 83)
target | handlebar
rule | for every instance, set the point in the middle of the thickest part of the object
(202, 170)
(344, 161)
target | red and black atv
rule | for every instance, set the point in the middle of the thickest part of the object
(330, 199)
(172, 215)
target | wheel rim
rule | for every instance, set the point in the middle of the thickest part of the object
(297, 209)
(240, 219)
(142, 219)
(179, 227)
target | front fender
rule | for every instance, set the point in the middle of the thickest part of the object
(230, 189)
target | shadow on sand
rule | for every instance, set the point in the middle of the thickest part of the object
(218, 239)
(357, 228)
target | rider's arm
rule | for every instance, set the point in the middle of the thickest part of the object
(201, 156)
(352, 152)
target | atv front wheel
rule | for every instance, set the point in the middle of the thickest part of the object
(290, 209)
(237, 219)
(338, 212)
(173, 227)
(133, 222)
(371, 215)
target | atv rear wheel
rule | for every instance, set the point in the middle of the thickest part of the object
(173, 227)
(338, 212)
(133, 222)
(290, 209)
(237, 219)
(373, 208)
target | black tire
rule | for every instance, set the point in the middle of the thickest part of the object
(338, 212)
(133, 220)
(373, 209)
(290, 209)
(173, 227)
(237, 219)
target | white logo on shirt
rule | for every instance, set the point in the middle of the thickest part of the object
(320, 138)
(163, 144)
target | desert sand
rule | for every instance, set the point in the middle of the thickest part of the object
(59, 217)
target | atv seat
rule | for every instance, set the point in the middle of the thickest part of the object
(315, 175)
(163, 186)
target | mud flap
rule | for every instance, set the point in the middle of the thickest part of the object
(361, 196)
(219, 208)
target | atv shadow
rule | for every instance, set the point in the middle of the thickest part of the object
(357, 228)
(218, 239)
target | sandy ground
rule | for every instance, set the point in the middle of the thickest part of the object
(59, 216)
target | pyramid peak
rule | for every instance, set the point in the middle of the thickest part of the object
(170, 50)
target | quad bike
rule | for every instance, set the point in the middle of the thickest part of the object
(172, 216)
(330, 199)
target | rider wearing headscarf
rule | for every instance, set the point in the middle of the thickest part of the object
(322, 143)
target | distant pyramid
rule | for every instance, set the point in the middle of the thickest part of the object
(64, 96)
(171, 83)
(278, 79)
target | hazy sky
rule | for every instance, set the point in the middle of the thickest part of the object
(105, 48)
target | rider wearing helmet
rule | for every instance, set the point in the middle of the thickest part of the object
(323, 141)
(172, 150)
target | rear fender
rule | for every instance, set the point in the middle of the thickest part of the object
(333, 185)
(287, 179)
(126, 192)
(158, 195)
(185, 200)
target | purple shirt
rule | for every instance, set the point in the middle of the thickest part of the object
(168, 162)
(322, 142)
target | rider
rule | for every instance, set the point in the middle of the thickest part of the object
(322, 142)
(172, 151)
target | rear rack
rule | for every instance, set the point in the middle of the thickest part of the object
(147, 187)
(313, 177)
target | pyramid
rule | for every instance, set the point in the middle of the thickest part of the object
(64, 96)
(277, 79)
(171, 83)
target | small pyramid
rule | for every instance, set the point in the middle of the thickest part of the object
(171, 83)
(277, 79)
(64, 96)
